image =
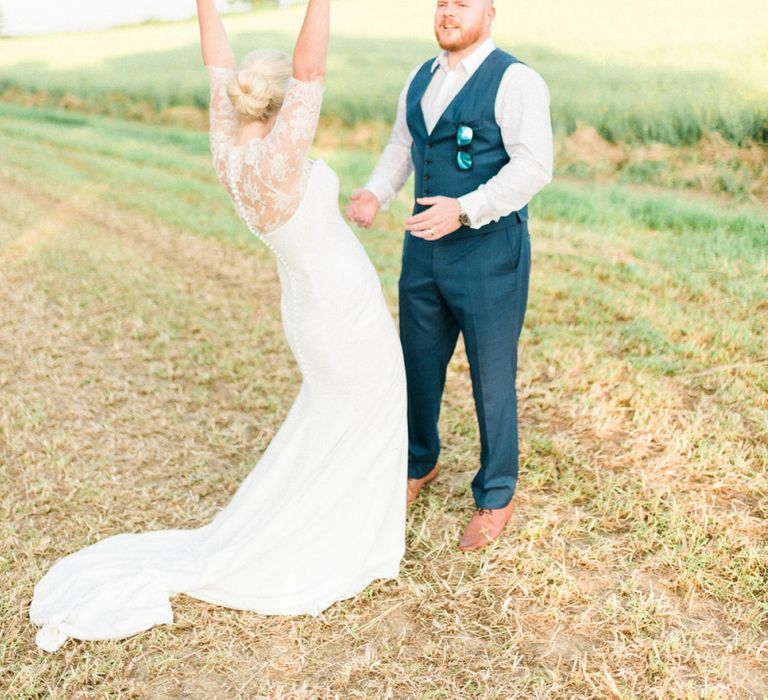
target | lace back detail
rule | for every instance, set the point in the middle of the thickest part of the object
(266, 177)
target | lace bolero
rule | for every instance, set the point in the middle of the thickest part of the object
(265, 176)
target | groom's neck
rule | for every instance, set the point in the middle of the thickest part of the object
(456, 57)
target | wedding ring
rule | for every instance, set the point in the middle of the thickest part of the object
(429, 232)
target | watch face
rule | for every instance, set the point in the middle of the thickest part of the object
(464, 219)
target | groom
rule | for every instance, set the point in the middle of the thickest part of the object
(474, 125)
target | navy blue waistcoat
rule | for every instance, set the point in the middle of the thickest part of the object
(434, 154)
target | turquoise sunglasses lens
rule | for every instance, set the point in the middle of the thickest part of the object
(464, 135)
(464, 160)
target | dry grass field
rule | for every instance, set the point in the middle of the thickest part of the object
(143, 370)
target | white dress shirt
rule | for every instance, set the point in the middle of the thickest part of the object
(522, 113)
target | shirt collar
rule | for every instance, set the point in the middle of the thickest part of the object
(470, 63)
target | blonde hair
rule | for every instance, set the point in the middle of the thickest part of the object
(258, 90)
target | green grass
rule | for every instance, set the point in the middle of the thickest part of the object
(165, 172)
(173, 164)
(707, 231)
(637, 90)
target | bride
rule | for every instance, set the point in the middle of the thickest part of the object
(322, 514)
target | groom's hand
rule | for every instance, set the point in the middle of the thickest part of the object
(363, 207)
(439, 220)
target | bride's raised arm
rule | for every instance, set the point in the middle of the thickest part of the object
(296, 122)
(311, 51)
(213, 37)
(270, 107)
(220, 62)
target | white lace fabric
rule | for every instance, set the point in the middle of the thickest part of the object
(268, 175)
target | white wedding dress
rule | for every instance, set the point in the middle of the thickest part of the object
(322, 514)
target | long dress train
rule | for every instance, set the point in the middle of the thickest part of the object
(322, 514)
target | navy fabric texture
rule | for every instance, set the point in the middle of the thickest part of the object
(473, 282)
(436, 171)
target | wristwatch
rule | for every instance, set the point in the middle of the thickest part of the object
(463, 217)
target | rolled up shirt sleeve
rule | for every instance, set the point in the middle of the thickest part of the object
(522, 113)
(395, 165)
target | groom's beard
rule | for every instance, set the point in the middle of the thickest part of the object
(468, 36)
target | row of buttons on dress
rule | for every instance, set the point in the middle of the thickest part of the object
(244, 216)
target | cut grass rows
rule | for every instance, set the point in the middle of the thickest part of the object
(143, 371)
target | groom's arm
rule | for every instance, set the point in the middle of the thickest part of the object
(522, 113)
(391, 172)
(395, 165)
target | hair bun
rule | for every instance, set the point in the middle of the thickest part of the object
(258, 89)
(255, 93)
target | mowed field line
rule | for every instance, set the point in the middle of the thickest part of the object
(143, 370)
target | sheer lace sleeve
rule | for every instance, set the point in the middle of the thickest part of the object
(274, 171)
(291, 137)
(223, 119)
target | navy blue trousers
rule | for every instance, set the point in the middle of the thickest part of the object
(477, 286)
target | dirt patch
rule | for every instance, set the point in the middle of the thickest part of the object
(185, 117)
(586, 145)
(713, 167)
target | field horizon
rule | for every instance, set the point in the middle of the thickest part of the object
(597, 62)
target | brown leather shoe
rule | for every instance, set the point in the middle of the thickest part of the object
(414, 485)
(484, 527)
